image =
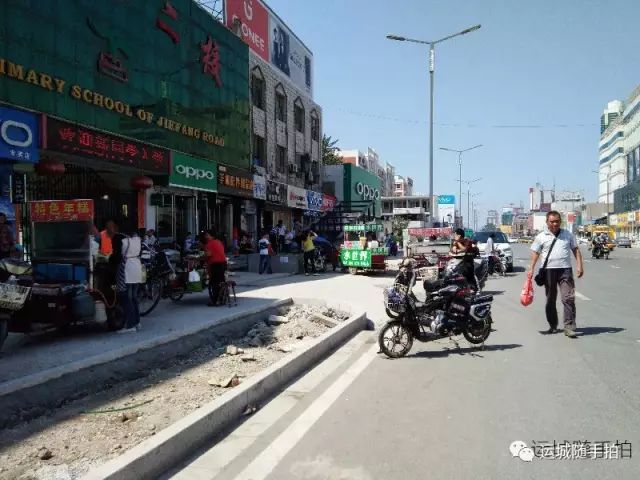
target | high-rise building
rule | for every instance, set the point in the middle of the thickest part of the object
(403, 187)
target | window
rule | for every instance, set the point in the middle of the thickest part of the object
(315, 127)
(257, 88)
(259, 153)
(281, 104)
(281, 159)
(298, 116)
(329, 188)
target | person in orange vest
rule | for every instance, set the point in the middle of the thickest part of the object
(106, 247)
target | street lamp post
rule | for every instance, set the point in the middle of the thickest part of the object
(460, 152)
(471, 222)
(432, 66)
(468, 182)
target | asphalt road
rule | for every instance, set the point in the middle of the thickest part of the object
(451, 413)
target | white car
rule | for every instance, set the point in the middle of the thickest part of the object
(500, 242)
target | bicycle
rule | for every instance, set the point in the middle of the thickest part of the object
(227, 289)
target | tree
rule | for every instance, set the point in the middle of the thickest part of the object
(330, 151)
(398, 225)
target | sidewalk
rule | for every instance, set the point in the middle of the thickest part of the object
(28, 360)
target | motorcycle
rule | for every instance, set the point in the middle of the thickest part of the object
(497, 263)
(481, 269)
(600, 250)
(319, 261)
(449, 310)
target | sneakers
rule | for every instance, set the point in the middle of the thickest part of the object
(127, 330)
(551, 331)
(570, 333)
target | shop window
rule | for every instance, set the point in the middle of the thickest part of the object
(315, 127)
(257, 89)
(281, 104)
(281, 159)
(298, 116)
(259, 151)
(329, 188)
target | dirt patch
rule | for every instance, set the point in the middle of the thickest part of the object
(66, 442)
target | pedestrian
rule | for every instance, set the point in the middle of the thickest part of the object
(309, 250)
(150, 238)
(217, 262)
(556, 245)
(464, 247)
(6, 237)
(127, 247)
(265, 254)
(282, 232)
(110, 230)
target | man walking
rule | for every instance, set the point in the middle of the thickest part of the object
(556, 245)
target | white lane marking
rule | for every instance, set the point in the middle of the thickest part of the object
(581, 296)
(614, 266)
(264, 463)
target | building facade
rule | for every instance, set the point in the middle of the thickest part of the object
(402, 187)
(114, 126)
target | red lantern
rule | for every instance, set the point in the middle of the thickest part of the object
(141, 182)
(50, 167)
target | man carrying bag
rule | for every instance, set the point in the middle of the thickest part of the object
(557, 245)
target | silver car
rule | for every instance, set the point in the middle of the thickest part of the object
(623, 242)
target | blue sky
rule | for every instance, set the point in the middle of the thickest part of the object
(549, 64)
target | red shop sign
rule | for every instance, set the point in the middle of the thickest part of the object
(61, 210)
(328, 202)
(85, 142)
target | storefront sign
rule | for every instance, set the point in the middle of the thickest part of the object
(367, 192)
(276, 193)
(352, 245)
(379, 251)
(85, 142)
(369, 227)
(61, 210)
(314, 200)
(355, 258)
(259, 187)
(17, 187)
(195, 173)
(19, 135)
(297, 197)
(234, 181)
(328, 202)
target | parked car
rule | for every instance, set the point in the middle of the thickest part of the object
(500, 242)
(624, 242)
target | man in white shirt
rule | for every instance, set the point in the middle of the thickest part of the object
(488, 249)
(559, 274)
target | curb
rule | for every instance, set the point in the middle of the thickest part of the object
(174, 444)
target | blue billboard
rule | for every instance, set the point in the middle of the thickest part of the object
(19, 135)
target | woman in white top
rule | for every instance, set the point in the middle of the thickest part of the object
(131, 248)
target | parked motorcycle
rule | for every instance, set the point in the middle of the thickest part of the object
(447, 311)
(497, 263)
(481, 269)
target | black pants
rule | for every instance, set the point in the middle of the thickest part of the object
(309, 258)
(216, 277)
(467, 269)
(562, 279)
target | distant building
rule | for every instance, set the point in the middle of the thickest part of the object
(403, 187)
(492, 217)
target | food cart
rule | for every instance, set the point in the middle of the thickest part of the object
(358, 254)
(67, 287)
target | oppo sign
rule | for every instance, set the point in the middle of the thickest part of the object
(367, 192)
(190, 172)
(21, 140)
(18, 135)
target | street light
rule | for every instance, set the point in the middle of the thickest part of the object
(460, 152)
(468, 182)
(473, 211)
(432, 60)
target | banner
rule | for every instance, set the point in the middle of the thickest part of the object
(355, 258)
(259, 187)
(314, 200)
(253, 20)
(328, 202)
(429, 232)
(195, 173)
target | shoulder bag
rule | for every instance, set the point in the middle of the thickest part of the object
(541, 276)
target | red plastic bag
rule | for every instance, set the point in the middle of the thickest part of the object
(526, 296)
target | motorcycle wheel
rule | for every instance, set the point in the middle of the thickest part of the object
(4, 331)
(478, 332)
(393, 335)
(148, 296)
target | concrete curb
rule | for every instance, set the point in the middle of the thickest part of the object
(177, 442)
